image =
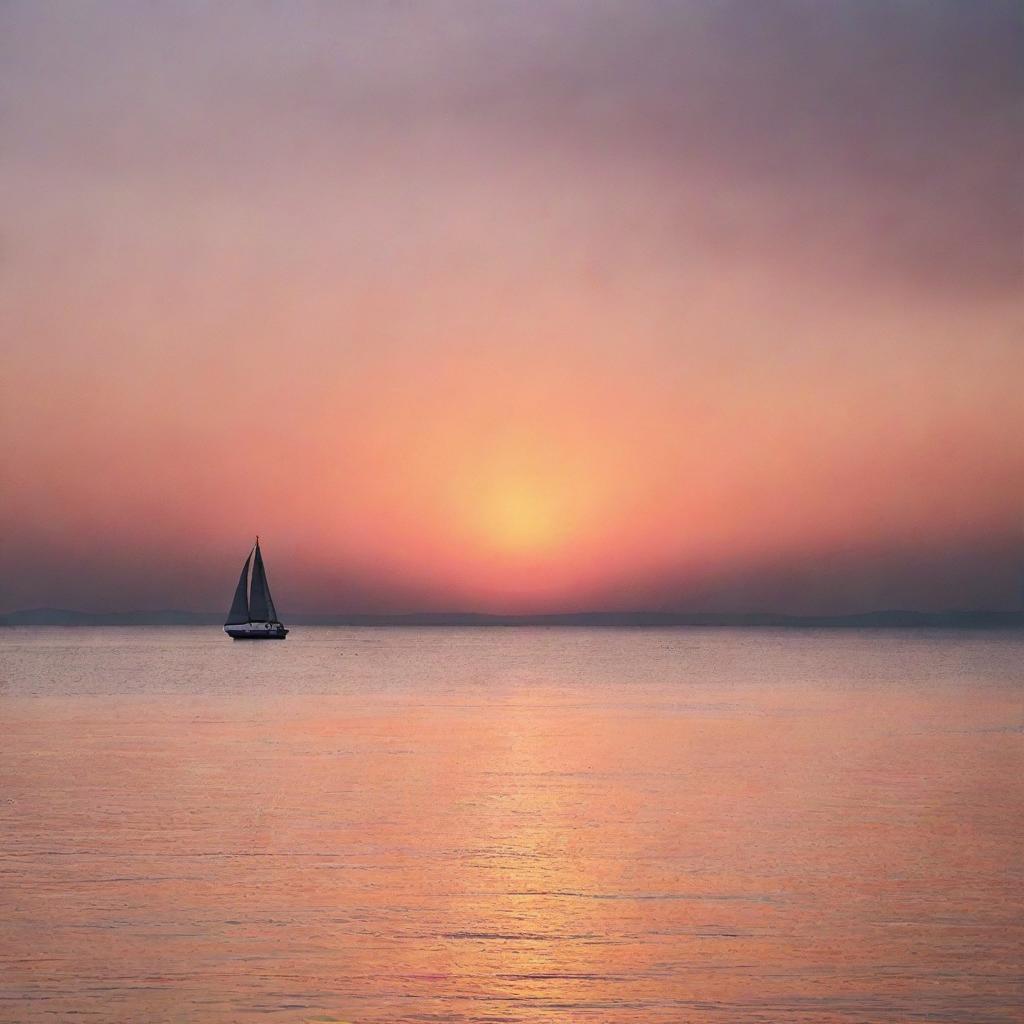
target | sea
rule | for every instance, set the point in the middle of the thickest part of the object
(531, 825)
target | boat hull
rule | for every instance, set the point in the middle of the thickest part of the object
(257, 631)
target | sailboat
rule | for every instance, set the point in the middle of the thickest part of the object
(252, 615)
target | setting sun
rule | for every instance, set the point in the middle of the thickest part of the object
(518, 516)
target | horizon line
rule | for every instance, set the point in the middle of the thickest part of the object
(987, 617)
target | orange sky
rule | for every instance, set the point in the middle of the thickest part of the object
(513, 307)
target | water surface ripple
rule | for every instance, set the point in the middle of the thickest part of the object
(512, 825)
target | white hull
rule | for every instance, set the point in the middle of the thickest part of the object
(256, 631)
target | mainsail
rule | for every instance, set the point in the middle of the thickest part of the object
(240, 605)
(261, 604)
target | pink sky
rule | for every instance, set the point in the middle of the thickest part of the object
(517, 307)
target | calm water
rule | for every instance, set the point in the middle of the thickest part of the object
(524, 825)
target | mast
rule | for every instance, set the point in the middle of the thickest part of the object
(261, 604)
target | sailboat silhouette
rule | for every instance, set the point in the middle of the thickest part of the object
(253, 615)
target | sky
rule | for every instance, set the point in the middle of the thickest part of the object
(537, 306)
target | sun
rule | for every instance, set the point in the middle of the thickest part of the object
(519, 516)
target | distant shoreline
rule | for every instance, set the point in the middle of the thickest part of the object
(889, 619)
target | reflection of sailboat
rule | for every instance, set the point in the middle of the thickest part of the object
(252, 615)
